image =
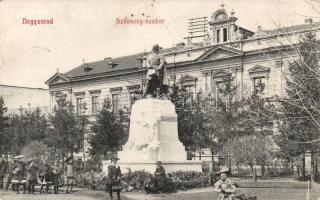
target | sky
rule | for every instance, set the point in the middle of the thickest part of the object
(87, 31)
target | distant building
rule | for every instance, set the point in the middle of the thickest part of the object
(19, 99)
(257, 61)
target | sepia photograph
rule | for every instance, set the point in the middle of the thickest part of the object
(159, 99)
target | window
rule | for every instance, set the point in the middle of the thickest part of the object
(115, 94)
(94, 104)
(191, 91)
(60, 100)
(220, 87)
(79, 105)
(133, 97)
(225, 34)
(218, 36)
(115, 101)
(259, 76)
(219, 79)
(222, 95)
(133, 93)
(95, 101)
(189, 84)
(258, 86)
(221, 92)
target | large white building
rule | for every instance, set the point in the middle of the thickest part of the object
(252, 58)
(19, 100)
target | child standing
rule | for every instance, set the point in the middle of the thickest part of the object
(56, 177)
(69, 173)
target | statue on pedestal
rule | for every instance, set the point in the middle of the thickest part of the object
(156, 82)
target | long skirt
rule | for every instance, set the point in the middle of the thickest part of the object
(227, 197)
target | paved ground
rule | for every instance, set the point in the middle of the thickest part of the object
(197, 194)
(209, 194)
(77, 195)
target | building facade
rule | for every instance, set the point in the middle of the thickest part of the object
(19, 100)
(258, 62)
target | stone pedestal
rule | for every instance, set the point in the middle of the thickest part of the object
(153, 136)
(153, 133)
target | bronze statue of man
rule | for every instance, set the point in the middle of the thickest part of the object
(156, 82)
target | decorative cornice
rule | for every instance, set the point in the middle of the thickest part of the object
(258, 69)
(94, 91)
(133, 87)
(48, 82)
(79, 93)
(219, 73)
(116, 89)
(209, 52)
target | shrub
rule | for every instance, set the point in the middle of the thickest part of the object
(91, 180)
(165, 185)
(137, 180)
(92, 165)
(189, 179)
(38, 151)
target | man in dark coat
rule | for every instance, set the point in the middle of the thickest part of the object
(160, 175)
(10, 165)
(3, 171)
(160, 171)
(156, 77)
(32, 178)
(19, 174)
(56, 179)
(45, 173)
(114, 178)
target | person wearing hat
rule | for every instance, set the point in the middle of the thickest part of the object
(19, 174)
(160, 175)
(32, 179)
(160, 171)
(44, 175)
(56, 179)
(114, 178)
(69, 174)
(3, 171)
(10, 164)
(156, 74)
(225, 186)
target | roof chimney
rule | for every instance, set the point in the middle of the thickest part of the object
(260, 29)
(110, 62)
(87, 67)
(232, 12)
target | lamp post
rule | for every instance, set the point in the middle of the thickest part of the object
(82, 118)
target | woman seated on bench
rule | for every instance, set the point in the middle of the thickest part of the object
(225, 186)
